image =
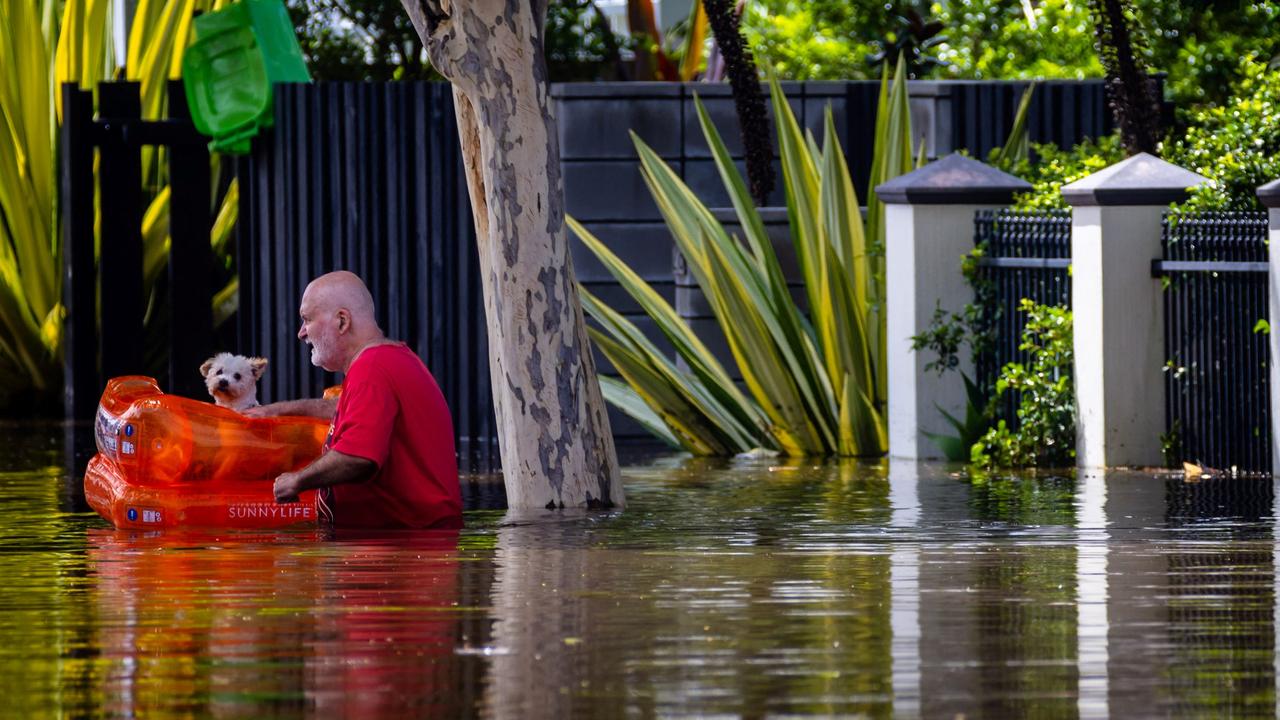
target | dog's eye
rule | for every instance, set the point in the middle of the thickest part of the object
(219, 372)
(237, 376)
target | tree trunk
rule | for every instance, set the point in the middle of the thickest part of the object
(1131, 93)
(557, 450)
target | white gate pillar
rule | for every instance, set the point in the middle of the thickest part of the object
(1269, 194)
(928, 229)
(1118, 309)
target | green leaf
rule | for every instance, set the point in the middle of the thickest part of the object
(697, 233)
(620, 395)
(1017, 146)
(666, 400)
(715, 421)
(741, 415)
(812, 381)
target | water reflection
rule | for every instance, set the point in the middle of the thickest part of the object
(1191, 570)
(746, 588)
(254, 626)
(667, 630)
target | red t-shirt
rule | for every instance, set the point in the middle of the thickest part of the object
(391, 412)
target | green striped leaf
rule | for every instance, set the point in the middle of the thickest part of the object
(620, 395)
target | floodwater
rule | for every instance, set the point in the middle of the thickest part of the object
(725, 589)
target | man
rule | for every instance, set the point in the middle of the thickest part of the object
(389, 460)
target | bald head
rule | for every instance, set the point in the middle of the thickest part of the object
(337, 319)
(341, 290)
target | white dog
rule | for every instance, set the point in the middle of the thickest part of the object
(233, 380)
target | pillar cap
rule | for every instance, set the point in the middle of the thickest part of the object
(1143, 179)
(953, 180)
(1269, 194)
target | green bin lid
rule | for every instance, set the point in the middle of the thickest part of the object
(226, 82)
(228, 71)
(280, 50)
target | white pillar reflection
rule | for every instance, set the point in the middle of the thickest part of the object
(1275, 574)
(904, 579)
(1091, 595)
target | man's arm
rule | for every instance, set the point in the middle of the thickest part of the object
(310, 407)
(332, 468)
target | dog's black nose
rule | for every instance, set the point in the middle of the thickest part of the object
(222, 383)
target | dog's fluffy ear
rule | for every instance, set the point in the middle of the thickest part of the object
(206, 367)
(258, 365)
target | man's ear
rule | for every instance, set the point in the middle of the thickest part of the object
(344, 320)
(258, 365)
(206, 367)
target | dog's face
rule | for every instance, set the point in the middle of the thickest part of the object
(232, 380)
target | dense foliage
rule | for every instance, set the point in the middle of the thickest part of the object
(990, 39)
(1054, 167)
(358, 40)
(1236, 144)
(1046, 432)
(1198, 44)
(374, 40)
(816, 39)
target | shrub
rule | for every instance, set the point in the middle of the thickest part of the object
(1056, 167)
(992, 39)
(1046, 432)
(817, 40)
(1236, 145)
(1196, 43)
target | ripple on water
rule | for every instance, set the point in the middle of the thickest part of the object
(734, 588)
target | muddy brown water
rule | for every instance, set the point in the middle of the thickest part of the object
(725, 589)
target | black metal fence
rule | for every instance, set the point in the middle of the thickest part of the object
(366, 177)
(1217, 405)
(106, 300)
(1024, 255)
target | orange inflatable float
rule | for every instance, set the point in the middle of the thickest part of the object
(165, 461)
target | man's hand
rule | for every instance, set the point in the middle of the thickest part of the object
(287, 487)
(331, 468)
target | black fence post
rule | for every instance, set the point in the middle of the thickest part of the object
(81, 383)
(120, 252)
(191, 267)
(245, 259)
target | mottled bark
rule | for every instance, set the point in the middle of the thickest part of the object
(557, 450)
(748, 99)
(1131, 93)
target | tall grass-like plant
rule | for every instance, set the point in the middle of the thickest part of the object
(43, 44)
(30, 287)
(890, 158)
(812, 382)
